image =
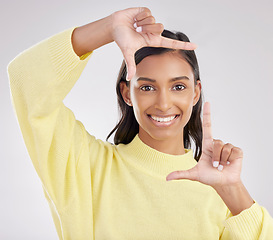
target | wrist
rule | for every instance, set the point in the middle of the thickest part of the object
(91, 36)
(108, 27)
(229, 187)
(236, 197)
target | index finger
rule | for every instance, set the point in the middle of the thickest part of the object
(206, 123)
(176, 44)
(130, 64)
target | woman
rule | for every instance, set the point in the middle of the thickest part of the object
(97, 190)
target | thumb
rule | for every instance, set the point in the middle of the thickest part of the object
(129, 58)
(191, 174)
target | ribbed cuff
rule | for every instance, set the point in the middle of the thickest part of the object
(247, 224)
(62, 53)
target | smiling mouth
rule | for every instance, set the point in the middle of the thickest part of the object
(168, 119)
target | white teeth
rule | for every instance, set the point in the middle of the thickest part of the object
(163, 119)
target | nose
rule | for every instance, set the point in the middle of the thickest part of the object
(163, 101)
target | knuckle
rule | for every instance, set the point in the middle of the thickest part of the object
(229, 145)
(218, 142)
(152, 19)
(237, 150)
(145, 9)
(207, 124)
(161, 27)
(146, 12)
(174, 44)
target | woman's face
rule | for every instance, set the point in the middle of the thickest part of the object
(162, 94)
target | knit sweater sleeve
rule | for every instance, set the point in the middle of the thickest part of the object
(40, 78)
(254, 223)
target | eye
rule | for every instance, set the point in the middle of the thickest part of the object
(146, 88)
(179, 87)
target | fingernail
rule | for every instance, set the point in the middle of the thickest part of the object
(135, 25)
(215, 164)
(228, 162)
(127, 77)
(139, 29)
(220, 167)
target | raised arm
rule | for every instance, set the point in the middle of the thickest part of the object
(131, 29)
(220, 167)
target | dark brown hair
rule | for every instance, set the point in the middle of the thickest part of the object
(128, 127)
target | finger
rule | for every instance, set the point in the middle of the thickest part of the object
(156, 28)
(191, 174)
(176, 44)
(217, 150)
(235, 154)
(129, 57)
(225, 154)
(144, 13)
(206, 124)
(147, 21)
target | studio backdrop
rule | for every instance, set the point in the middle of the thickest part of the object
(235, 54)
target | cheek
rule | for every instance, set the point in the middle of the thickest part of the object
(137, 101)
(185, 99)
(141, 103)
(185, 103)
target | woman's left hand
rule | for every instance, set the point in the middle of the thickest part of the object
(219, 165)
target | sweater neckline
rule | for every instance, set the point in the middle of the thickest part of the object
(155, 162)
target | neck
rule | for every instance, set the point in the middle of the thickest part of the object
(173, 145)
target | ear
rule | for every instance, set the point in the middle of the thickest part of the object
(197, 92)
(125, 92)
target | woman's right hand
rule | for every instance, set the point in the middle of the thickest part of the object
(129, 39)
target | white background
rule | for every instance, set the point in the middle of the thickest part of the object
(235, 55)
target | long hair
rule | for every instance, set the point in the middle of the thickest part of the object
(127, 127)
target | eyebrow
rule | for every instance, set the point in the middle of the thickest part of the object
(171, 80)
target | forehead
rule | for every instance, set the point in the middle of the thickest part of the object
(167, 65)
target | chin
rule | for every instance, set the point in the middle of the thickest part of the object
(163, 135)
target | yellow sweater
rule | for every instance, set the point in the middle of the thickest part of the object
(97, 190)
